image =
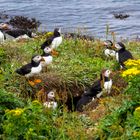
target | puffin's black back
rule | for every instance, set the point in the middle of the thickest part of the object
(124, 55)
(88, 95)
(83, 101)
(47, 42)
(24, 69)
(94, 89)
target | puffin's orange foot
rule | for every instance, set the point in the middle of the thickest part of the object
(37, 81)
(31, 83)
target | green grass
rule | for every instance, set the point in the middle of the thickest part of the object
(78, 64)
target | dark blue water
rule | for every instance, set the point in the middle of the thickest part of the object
(92, 15)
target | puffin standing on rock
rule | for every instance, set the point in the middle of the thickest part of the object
(122, 55)
(31, 69)
(100, 86)
(54, 41)
(109, 52)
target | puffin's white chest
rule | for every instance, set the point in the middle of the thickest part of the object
(51, 104)
(1, 37)
(56, 42)
(109, 53)
(48, 60)
(117, 56)
(34, 70)
(108, 86)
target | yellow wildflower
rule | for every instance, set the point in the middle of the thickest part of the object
(131, 72)
(132, 62)
(49, 33)
(135, 134)
(18, 112)
(137, 109)
(15, 112)
(7, 110)
(36, 102)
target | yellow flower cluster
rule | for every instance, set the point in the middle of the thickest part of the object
(36, 102)
(130, 72)
(15, 112)
(49, 33)
(132, 62)
(137, 109)
(134, 68)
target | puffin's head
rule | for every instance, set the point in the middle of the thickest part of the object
(4, 26)
(108, 43)
(57, 32)
(47, 50)
(37, 58)
(105, 73)
(119, 46)
(51, 95)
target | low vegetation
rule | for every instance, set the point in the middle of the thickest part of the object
(78, 64)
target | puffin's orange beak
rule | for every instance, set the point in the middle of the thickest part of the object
(54, 53)
(113, 46)
(111, 74)
(42, 59)
(104, 43)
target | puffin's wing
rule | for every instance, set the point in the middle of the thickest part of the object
(94, 89)
(124, 57)
(12, 33)
(18, 32)
(82, 102)
(47, 42)
(24, 69)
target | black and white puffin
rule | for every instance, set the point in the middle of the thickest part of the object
(47, 57)
(100, 86)
(16, 33)
(122, 54)
(51, 103)
(20, 32)
(54, 41)
(109, 52)
(31, 69)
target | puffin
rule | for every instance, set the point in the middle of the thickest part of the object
(20, 32)
(47, 57)
(4, 26)
(31, 69)
(16, 33)
(122, 55)
(100, 86)
(54, 41)
(109, 52)
(51, 103)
